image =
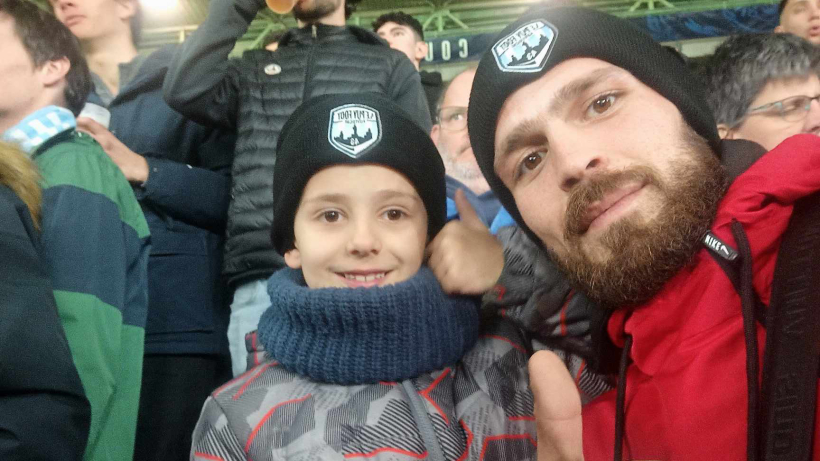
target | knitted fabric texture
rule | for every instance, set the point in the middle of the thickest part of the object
(366, 335)
(578, 32)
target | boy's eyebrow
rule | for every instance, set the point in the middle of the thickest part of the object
(336, 198)
(386, 194)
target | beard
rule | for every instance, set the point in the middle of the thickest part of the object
(321, 8)
(643, 256)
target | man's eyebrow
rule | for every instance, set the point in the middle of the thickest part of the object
(576, 88)
(524, 134)
(528, 132)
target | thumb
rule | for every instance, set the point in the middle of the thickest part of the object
(557, 409)
(466, 212)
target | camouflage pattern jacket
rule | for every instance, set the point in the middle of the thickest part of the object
(479, 409)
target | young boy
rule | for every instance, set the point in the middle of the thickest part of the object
(366, 357)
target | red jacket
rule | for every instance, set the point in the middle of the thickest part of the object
(686, 387)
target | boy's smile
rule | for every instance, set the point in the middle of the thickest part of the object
(358, 226)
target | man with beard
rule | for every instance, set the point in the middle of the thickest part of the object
(255, 95)
(602, 147)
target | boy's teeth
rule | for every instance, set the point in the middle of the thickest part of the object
(364, 278)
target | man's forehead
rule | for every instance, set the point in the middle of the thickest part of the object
(458, 92)
(569, 72)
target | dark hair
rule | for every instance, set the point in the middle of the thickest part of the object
(350, 7)
(781, 6)
(30, 21)
(403, 19)
(744, 64)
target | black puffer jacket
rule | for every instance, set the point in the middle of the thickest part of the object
(257, 93)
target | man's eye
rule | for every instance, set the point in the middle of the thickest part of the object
(530, 162)
(601, 104)
(456, 117)
(331, 216)
(394, 215)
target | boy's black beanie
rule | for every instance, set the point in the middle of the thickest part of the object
(319, 134)
(577, 32)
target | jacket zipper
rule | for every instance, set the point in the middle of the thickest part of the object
(426, 429)
(314, 35)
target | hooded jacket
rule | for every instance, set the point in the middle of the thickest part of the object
(256, 94)
(41, 396)
(185, 202)
(686, 392)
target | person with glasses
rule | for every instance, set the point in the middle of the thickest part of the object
(765, 88)
(465, 256)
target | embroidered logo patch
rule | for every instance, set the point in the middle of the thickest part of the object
(354, 128)
(527, 48)
(273, 69)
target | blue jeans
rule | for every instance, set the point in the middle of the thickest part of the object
(250, 300)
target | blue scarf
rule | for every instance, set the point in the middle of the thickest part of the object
(40, 126)
(366, 335)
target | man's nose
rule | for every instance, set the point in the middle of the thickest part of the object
(576, 158)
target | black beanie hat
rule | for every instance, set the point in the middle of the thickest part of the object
(351, 129)
(544, 37)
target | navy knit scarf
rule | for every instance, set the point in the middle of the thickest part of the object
(366, 335)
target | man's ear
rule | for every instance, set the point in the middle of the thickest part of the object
(435, 133)
(779, 29)
(293, 258)
(126, 9)
(725, 132)
(421, 50)
(53, 72)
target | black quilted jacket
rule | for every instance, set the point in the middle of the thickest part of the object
(256, 94)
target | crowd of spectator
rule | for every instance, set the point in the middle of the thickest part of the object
(583, 246)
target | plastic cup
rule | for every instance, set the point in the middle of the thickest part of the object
(281, 6)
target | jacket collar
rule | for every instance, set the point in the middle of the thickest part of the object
(39, 127)
(324, 33)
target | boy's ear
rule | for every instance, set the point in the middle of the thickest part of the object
(778, 29)
(127, 9)
(293, 258)
(724, 132)
(421, 50)
(53, 72)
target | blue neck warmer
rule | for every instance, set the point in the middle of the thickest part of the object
(366, 335)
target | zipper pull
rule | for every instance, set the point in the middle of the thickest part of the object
(313, 27)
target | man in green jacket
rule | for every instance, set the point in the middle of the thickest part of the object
(95, 237)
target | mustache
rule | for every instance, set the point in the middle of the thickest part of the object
(595, 188)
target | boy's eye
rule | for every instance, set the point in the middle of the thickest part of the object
(330, 216)
(394, 215)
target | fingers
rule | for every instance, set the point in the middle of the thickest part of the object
(466, 212)
(557, 409)
(90, 126)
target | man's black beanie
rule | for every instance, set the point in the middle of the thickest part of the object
(544, 37)
(352, 129)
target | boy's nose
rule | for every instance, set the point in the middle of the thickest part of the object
(364, 240)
